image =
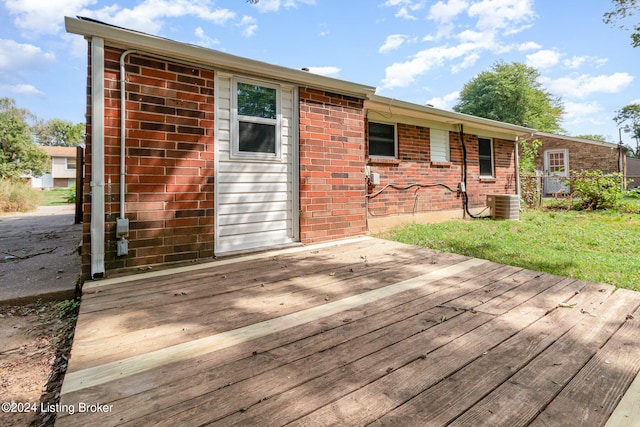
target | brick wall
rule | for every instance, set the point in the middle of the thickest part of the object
(582, 156)
(169, 163)
(413, 165)
(332, 183)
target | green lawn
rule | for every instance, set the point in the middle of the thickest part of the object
(593, 246)
(55, 197)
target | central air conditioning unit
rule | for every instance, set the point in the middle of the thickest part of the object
(504, 206)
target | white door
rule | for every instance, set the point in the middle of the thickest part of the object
(256, 190)
(556, 165)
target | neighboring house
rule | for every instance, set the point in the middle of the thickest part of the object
(559, 154)
(208, 153)
(63, 169)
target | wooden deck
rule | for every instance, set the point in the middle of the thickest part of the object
(362, 332)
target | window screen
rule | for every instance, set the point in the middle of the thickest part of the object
(382, 139)
(257, 138)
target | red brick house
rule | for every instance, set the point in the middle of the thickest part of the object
(193, 152)
(559, 154)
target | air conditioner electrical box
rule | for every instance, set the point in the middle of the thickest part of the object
(504, 206)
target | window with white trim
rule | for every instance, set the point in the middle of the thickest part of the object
(485, 154)
(257, 123)
(382, 140)
(439, 145)
(70, 163)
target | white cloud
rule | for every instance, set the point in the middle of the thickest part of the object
(250, 25)
(392, 42)
(43, 17)
(543, 59)
(46, 17)
(265, 6)
(576, 62)
(22, 89)
(581, 86)
(494, 20)
(583, 112)
(203, 39)
(401, 74)
(20, 56)
(325, 71)
(468, 61)
(405, 7)
(444, 12)
(528, 46)
(446, 102)
(501, 14)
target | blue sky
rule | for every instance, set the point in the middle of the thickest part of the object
(414, 50)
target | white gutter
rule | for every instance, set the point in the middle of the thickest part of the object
(97, 157)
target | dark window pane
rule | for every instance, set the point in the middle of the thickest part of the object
(485, 155)
(257, 138)
(381, 140)
(256, 101)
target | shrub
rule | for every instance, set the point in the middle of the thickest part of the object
(530, 190)
(18, 196)
(597, 190)
(71, 194)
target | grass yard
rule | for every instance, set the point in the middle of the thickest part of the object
(594, 246)
(55, 197)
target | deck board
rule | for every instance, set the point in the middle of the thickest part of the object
(364, 331)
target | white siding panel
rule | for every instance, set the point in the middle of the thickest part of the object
(254, 198)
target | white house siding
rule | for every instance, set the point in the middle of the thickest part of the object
(254, 199)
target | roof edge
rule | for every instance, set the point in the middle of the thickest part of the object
(583, 140)
(453, 117)
(144, 42)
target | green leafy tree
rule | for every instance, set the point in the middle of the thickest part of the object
(630, 115)
(621, 14)
(511, 93)
(59, 133)
(18, 154)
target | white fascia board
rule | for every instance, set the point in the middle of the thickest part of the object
(449, 119)
(129, 39)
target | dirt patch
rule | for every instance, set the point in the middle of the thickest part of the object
(35, 341)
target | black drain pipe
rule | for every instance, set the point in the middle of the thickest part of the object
(465, 197)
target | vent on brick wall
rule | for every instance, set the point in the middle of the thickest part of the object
(504, 206)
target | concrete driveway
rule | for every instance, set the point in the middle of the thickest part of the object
(39, 255)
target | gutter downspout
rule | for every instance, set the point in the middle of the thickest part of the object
(97, 158)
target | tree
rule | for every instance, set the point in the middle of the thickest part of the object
(511, 93)
(18, 154)
(623, 9)
(630, 114)
(59, 132)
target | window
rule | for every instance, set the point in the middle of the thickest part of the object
(71, 162)
(485, 151)
(257, 113)
(382, 139)
(439, 145)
